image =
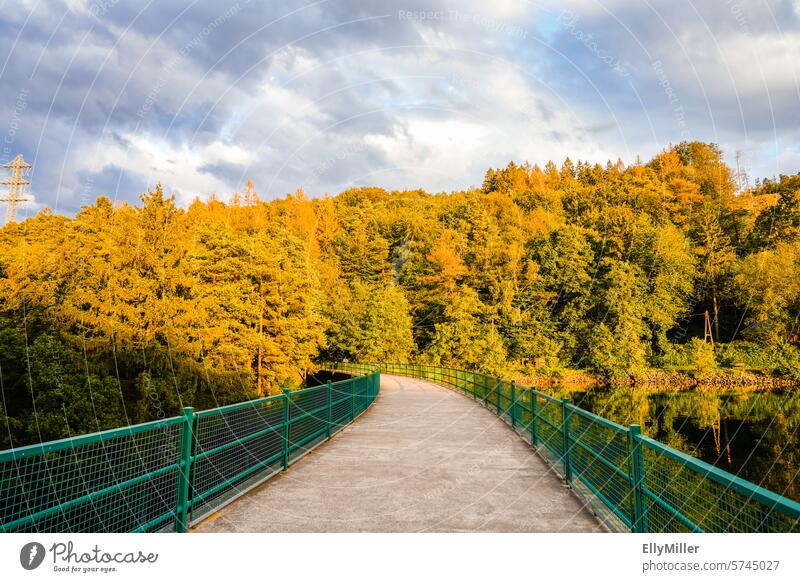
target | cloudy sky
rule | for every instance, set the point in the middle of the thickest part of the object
(108, 97)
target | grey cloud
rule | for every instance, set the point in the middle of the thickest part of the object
(703, 67)
(112, 182)
(331, 94)
(231, 173)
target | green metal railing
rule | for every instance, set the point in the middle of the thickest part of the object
(170, 474)
(632, 482)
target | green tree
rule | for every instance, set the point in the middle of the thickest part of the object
(781, 223)
(619, 347)
(767, 286)
(467, 337)
(370, 323)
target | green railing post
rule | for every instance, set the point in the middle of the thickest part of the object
(352, 400)
(513, 404)
(474, 388)
(329, 400)
(565, 418)
(185, 467)
(287, 403)
(640, 524)
(497, 389)
(534, 413)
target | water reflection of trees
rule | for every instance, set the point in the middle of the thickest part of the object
(754, 435)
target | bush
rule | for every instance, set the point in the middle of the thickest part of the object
(787, 361)
(782, 359)
(676, 357)
(703, 360)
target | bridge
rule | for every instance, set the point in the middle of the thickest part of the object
(390, 447)
(423, 458)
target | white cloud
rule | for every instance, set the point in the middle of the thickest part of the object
(180, 167)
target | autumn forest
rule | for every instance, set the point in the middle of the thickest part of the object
(124, 313)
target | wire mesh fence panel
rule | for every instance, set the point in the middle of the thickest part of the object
(490, 393)
(349, 398)
(523, 411)
(473, 385)
(550, 424)
(685, 494)
(479, 387)
(466, 383)
(235, 446)
(362, 394)
(308, 416)
(363, 398)
(117, 481)
(340, 404)
(359, 395)
(504, 400)
(600, 458)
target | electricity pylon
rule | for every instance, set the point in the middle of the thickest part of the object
(16, 186)
(709, 337)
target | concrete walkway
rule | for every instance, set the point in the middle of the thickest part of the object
(423, 458)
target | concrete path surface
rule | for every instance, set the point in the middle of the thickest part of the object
(422, 459)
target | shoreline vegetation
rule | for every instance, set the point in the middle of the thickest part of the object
(660, 380)
(664, 273)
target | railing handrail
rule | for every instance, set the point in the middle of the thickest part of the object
(89, 438)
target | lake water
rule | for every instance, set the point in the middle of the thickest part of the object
(751, 434)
